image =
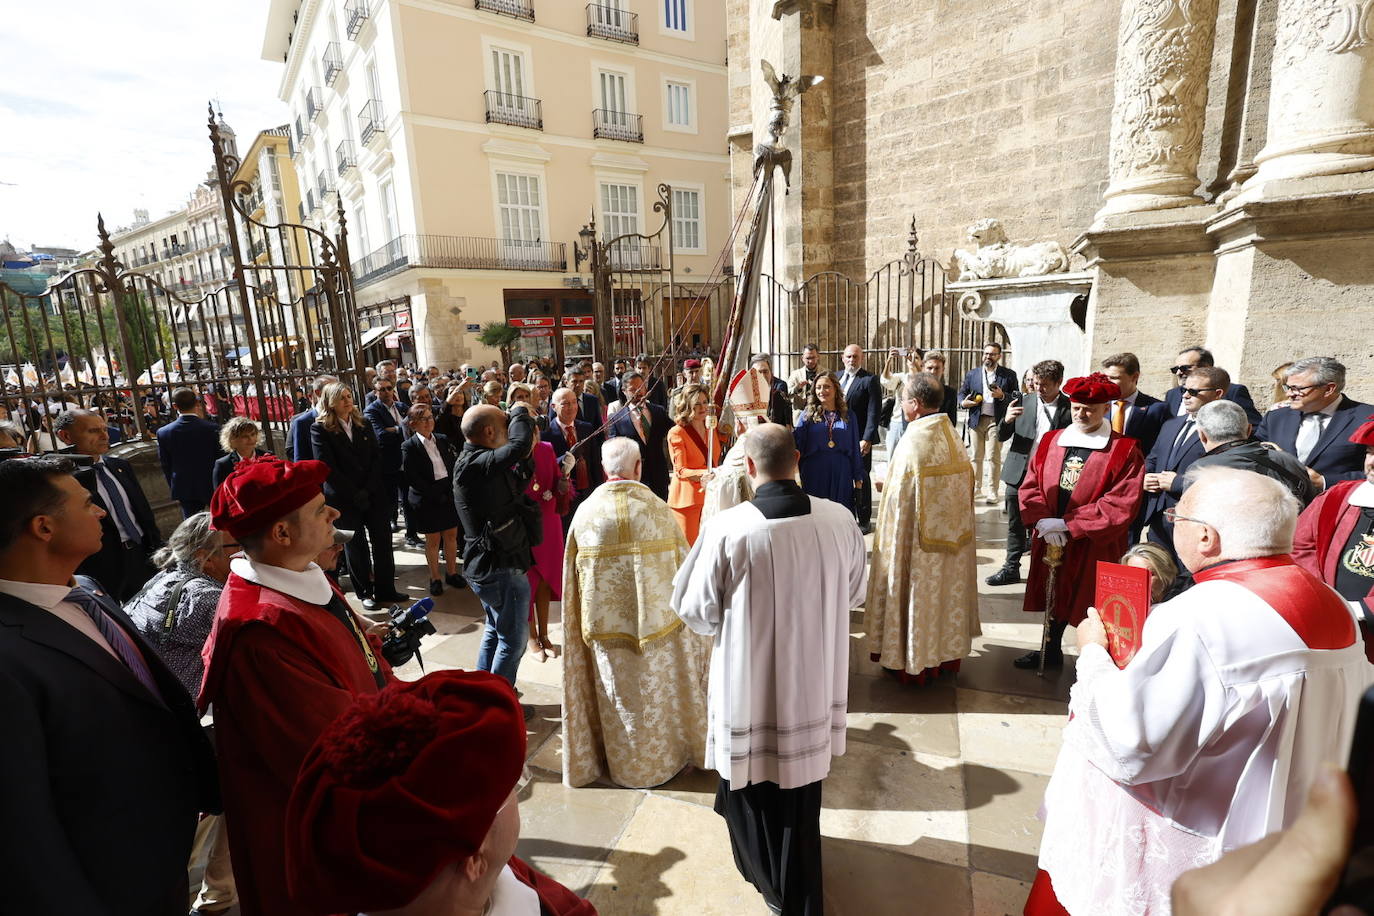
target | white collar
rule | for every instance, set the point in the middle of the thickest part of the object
(39, 594)
(1363, 496)
(1329, 410)
(1073, 437)
(310, 585)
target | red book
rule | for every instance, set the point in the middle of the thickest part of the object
(1122, 601)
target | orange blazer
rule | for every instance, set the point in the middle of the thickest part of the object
(685, 454)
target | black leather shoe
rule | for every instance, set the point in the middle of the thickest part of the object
(395, 526)
(1004, 576)
(414, 544)
(1031, 660)
(456, 580)
(393, 597)
(436, 587)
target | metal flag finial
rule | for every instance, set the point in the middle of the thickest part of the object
(785, 90)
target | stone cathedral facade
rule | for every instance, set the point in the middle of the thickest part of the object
(1208, 164)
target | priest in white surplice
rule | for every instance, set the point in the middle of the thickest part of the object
(1212, 735)
(634, 678)
(773, 581)
(922, 609)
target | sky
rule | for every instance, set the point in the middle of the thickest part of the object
(102, 109)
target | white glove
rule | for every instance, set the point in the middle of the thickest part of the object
(567, 463)
(1055, 538)
(1047, 525)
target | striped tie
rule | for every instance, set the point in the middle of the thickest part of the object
(119, 641)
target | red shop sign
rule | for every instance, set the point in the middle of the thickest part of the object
(403, 321)
(531, 322)
(536, 332)
(578, 321)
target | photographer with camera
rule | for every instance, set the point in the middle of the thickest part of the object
(500, 524)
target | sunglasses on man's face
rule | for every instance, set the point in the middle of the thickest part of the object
(1181, 370)
(1197, 391)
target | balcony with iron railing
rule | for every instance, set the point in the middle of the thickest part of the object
(520, 9)
(344, 157)
(517, 110)
(314, 102)
(628, 254)
(355, 16)
(608, 124)
(311, 204)
(612, 23)
(459, 253)
(370, 121)
(324, 183)
(331, 62)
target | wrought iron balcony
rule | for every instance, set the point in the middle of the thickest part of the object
(355, 16)
(324, 183)
(370, 121)
(333, 62)
(612, 23)
(629, 254)
(520, 9)
(504, 108)
(314, 102)
(344, 157)
(617, 125)
(459, 253)
(311, 204)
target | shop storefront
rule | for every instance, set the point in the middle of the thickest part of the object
(387, 332)
(554, 324)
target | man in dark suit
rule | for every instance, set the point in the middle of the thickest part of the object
(385, 413)
(385, 371)
(1028, 418)
(779, 401)
(863, 393)
(188, 448)
(588, 406)
(1316, 425)
(1135, 414)
(105, 765)
(657, 389)
(123, 562)
(648, 424)
(298, 447)
(1186, 362)
(567, 430)
(985, 393)
(610, 387)
(1176, 448)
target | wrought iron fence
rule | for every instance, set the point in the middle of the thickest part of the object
(520, 9)
(355, 17)
(609, 124)
(370, 121)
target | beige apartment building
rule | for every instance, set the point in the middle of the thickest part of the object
(468, 141)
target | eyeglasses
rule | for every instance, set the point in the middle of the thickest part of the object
(1172, 517)
(1197, 391)
(1301, 389)
(1181, 370)
(387, 388)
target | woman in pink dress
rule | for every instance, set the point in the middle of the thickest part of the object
(546, 576)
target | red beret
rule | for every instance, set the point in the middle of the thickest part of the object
(400, 785)
(1365, 434)
(1092, 389)
(261, 490)
(692, 364)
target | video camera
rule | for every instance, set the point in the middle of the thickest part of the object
(408, 627)
(81, 461)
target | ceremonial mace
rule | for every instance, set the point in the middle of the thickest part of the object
(1054, 557)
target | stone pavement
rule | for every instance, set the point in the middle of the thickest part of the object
(932, 810)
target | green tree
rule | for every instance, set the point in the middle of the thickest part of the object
(501, 336)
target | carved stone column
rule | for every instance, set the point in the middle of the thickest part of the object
(1321, 110)
(1164, 52)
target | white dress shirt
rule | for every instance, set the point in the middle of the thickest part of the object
(53, 599)
(108, 498)
(432, 449)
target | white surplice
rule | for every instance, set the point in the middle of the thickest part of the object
(776, 595)
(1208, 740)
(730, 485)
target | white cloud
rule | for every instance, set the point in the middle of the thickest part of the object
(103, 109)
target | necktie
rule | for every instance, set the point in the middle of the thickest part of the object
(114, 635)
(1309, 434)
(1118, 417)
(641, 422)
(127, 525)
(1183, 435)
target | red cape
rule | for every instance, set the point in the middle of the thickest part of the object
(1099, 515)
(554, 898)
(277, 670)
(1323, 529)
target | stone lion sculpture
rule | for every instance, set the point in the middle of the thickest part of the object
(995, 256)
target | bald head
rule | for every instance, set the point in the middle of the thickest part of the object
(771, 452)
(483, 423)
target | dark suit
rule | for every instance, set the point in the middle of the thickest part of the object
(430, 499)
(1144, 421)
(225, 465)
(1021, 431)
(658, 391)
(590, 453)
(390, 435)
(779, 404)
(865, 400)
(1334, 456)
(1173, 400)
(122, 569)
(973, 384)
(655, 451)
(588, 409)
(298, 446)
(610, 390)
(357, 487)
(100, 781)
(1166, 457)
(188, 448)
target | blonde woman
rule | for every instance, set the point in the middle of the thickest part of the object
(1163, 570)
(491, 393)
(519, 393)
(357, 488)
(241, 440)
(688, 449)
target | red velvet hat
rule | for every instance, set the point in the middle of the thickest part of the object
(1092, 389)
(400, 785)
(692, 364)
(261, 490)
(1365, 434)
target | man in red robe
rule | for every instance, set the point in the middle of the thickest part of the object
(408, 804)
(1082, 491)
(1335, 537)
(285, 656)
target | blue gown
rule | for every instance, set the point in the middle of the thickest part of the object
(829, 472)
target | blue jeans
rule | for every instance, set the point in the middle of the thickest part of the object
(505, 596)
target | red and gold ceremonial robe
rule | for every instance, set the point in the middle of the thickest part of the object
(1323, 530)
(1104, 502)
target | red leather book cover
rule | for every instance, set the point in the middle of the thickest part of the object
(1122, 601)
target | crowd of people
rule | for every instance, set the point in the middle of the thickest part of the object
(705, 573)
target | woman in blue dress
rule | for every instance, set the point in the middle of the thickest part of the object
(831, 466)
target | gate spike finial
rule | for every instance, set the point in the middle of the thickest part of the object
(912, 240)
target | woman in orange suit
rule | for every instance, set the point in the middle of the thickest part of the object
(687, 447)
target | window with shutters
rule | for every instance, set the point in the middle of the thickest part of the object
(687, 219)
(677, 106)
(519, 203)
(677, 17)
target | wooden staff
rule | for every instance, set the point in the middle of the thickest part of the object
(1054, 558)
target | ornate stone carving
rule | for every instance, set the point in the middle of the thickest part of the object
(996, 257)
(1163, 54)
